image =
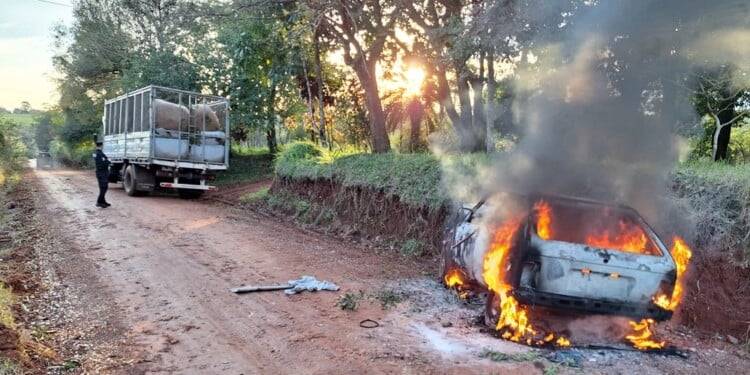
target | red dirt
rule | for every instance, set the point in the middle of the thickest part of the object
(717, 301)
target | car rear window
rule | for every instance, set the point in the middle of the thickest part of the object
(601, 226)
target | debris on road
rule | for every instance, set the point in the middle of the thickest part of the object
(258, 288)
(309, 283)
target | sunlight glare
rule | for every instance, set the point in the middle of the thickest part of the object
(414, 79)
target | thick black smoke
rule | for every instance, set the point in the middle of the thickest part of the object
(599, 109)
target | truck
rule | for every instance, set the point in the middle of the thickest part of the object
(164, 138)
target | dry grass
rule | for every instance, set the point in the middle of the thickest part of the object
(719, 196)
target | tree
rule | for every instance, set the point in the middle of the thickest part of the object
(715, 95)
(467, 40)
(44, 129)
(361, 29)
(116, 46)
(170, 39)
(264, 75)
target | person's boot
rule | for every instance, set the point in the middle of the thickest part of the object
(102, 205)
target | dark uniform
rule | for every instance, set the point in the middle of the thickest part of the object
(102, 175)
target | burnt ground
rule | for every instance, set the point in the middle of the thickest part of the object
(142, 287)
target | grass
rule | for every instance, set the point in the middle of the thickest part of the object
(247, 165)
(8, 367)
(350, 300)
(719, 196)
(412, 247)
(388, 298)
(6, 301)
(256, 195)
(499, 356)
(393, 174)
(23, 119)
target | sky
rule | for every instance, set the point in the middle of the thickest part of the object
(26, 50)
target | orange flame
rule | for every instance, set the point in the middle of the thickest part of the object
(640, 338)
(629, 238)
(543, 219)
(513, 320)
(454, 280)
(681, 254)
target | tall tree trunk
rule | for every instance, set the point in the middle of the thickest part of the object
(479, 124)
(416, 113)
(490, 111)
(310, 106)
(321, 102)
(467, 137)
(273, 146)
(379, 135)
(444, 95)
(722, 134)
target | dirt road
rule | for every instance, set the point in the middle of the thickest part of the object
(145, 289)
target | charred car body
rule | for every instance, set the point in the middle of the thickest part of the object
(568, 254)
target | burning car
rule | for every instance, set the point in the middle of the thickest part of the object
(561, 253)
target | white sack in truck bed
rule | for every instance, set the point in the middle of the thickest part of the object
(170, 116)
(204, 115)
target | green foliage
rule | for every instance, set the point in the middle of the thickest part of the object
(412, 247)
(246, 164)
(301, 151)
(12, 151)
(413, 178)
(739, 144)
(77, 155)
(264, 77)
(350, 300)
(19, 118)
(151, 70)
(498, 356)
(389, 298)
(302, 159)
(44, 126)
(70, 364)
(6, 302)
(255, 196)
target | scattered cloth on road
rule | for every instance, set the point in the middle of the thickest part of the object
(310, 283)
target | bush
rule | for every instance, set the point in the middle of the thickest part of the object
(75, 156)
(12, 151)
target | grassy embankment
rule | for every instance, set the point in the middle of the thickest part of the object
(11, 159)
(389, 200)
(719, 198)
(247, 164)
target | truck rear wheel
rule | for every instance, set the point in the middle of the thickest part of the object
(130, 181)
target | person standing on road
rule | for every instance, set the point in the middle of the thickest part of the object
(102, 174)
